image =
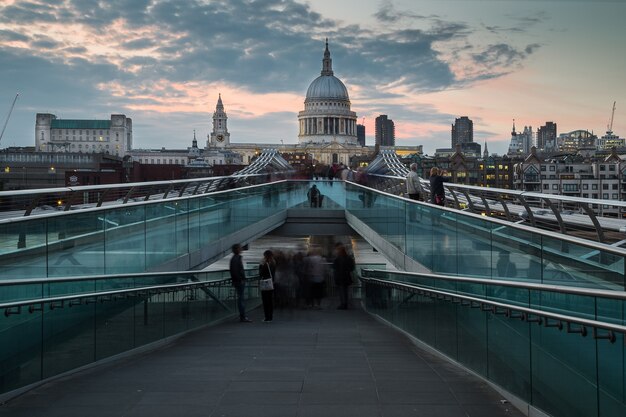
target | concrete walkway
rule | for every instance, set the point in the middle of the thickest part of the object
(305, 363)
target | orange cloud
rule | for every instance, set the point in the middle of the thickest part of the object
(164, 96)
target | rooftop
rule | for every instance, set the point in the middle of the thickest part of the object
(80, 124)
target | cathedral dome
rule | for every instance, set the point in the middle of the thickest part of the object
(327, 117)
(327, 87)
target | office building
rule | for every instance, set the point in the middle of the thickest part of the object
(546, 137)
(462, 131)
(111, 137)
(385, 131)
(360, 135)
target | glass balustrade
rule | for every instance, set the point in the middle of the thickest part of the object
(45, 338)
(453, 242)
(141, 236)
(556, 369)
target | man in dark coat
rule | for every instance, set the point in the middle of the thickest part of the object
(238, 279)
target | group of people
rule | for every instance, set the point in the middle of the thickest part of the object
(415, 190)
(287, 278)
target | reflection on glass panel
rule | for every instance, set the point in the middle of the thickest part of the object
(76, 244)
(68, 341)
(23, 249)
(182, 227)
(20, 350)
(516, 254)
(509, 354)
(125, 243)
(114, 327)
(564, 372)
(567, 263)
(193, 218)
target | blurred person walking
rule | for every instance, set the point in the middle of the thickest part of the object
(343, 266)
(315, 277)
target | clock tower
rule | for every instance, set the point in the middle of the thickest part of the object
(219, 137)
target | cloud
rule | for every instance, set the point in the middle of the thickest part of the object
(9, 36)
(140, 44)
(387, 13)
(147, 57)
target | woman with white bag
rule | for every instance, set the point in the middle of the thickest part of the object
(267, 272)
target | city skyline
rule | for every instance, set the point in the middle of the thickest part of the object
(424, 64)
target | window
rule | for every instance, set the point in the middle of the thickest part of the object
(594, 186)
(605, 186)
(543, 167)
(602, 168)
(585, 186)
(552, 168)
(605, 196)
(594, 195)
(585, 195)
(555, 186)
(611, 167)
(614, 187)
(546, 186)
(614, 196)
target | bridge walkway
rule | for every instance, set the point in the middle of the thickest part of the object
(305, 363)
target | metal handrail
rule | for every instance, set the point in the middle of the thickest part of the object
(598, 222)
(20, 303)
(507, 309)
(132, 203)
(544, 196)
(54, 280)
(568, 238)
(84, 188)
(151, 288)
(591, 292)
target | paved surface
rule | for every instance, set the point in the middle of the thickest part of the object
(305, 363)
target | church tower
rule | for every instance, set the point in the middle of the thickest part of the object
(219, 137)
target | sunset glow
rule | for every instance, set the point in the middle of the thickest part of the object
(530, 61)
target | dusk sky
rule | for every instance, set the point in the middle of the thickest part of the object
(423, 63)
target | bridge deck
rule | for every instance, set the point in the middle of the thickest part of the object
(306, 363)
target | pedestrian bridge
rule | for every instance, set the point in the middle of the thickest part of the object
(539, 315)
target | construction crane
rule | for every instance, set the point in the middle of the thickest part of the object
(8, 116)
(610, 126)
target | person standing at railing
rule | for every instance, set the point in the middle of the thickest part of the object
(437, 192)
(238, 279)
(413, 186)
(267, 271)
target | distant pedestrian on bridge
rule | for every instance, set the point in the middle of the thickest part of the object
(315, 197)
(238, 279)
(413, 186)
(414, 190)
(437, 192)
